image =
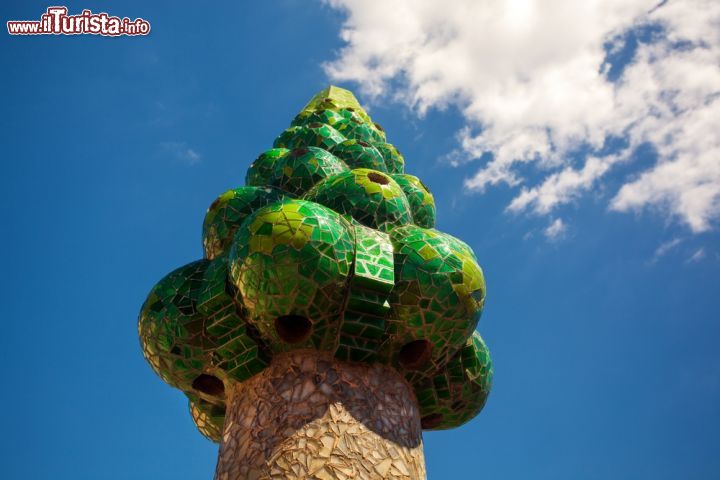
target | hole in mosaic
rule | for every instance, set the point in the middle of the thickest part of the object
(377, 178)
(293, 328)
(209, 384)
(415, 354)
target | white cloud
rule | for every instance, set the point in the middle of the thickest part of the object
(563, 186)
(182, 152)
(534, 84)
(556, 230)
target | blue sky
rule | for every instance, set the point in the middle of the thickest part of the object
(602, 315)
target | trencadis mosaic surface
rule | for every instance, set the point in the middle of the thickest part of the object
(329, 246)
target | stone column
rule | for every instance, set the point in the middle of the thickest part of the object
(310, 416)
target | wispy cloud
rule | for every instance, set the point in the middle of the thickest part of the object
(556, 230)
(545, 84)
(698, 255)
(180, 151)
(664, 248)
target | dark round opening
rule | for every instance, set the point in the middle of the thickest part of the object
(363, 144)
(293, 328)
(350, 109)
(209, 384)
(377, 125)
(415, 355)
(377, 178)
(315, 125)
(431, 421)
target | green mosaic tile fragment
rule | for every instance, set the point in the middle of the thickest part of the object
(212, 294)
(298, 171)
(394, 161)
(422, 202)
(361, 337)
(295, 271)
(368, 301)
(370, 197)
(352, 114)
(318, 135)
(458, 392)
(228, 211)
(374, 267)
(260, 171)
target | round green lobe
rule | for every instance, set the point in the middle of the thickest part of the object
(171, 328)
(228, 211)
(260, 170)
(421, 200)
(359, 154)
(439, 291)
(318, 135)
(299, 170)
(325, 116)
(357, 130)
(394, 161)
(458, 392)
(370, 197)
(292, 259)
